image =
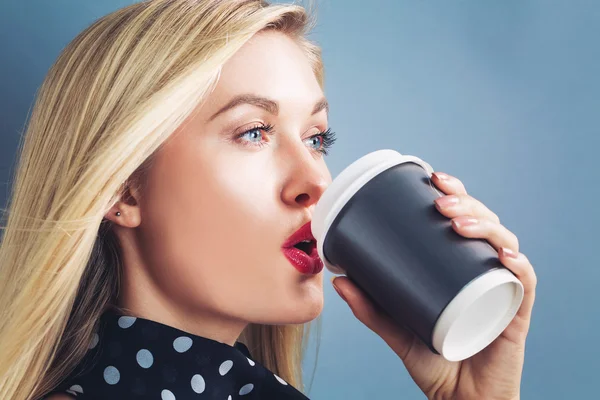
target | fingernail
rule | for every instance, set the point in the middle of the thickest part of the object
(509, 253)
(447, 201)
(464, 222)
(336, 288)
(441, 176)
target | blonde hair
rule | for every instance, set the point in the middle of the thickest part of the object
(112, 97)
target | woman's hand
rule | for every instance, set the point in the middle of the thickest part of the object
(495, 372)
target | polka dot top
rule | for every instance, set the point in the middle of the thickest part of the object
(136, 358)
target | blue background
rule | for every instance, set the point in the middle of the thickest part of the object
(504, 95)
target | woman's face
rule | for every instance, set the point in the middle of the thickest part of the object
(226, 191)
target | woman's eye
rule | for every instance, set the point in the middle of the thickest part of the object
(253, 135)
(322, 141)
(315, 142)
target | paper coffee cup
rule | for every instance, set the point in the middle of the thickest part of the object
(377, 224)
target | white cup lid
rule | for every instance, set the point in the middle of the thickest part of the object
(345, 185)
(478, 314)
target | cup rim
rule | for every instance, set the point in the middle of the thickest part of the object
(457, 313)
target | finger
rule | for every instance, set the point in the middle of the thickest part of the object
(523, 270)
(496, 234)
(462, 204)
(370, 314)
(448, 184)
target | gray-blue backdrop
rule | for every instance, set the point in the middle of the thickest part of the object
(503, 94)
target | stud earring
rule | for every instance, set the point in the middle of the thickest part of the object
(118, 213)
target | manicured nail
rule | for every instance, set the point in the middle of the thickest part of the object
(447, 201)
(441, 176)
(336, 288)
(509, 253)
(464, 222)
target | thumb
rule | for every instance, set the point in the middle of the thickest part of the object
(374, 317)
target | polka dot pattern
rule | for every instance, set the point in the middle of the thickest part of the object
(76, 389)
(246, 389)
(112, 375)
(144, 358)
(133, 358)
(198, 384)
(95, 340)
(280, 380)
(126, 322)
(225, 367)
(167, 395)
(182, 344)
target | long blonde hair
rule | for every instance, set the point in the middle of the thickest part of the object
(112, 97)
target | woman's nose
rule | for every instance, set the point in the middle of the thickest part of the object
(306, 181)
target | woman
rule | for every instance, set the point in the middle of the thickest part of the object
(174, 151)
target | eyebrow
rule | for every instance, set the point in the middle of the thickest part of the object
(271, 106)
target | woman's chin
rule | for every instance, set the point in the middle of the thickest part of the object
(296, 304)
(301, 310)
(307, 309)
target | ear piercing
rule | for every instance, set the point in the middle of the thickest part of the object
(118, 213)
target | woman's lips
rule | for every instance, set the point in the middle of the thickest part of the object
(307, 262)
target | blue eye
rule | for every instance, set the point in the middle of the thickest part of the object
(316, 142)
(322, 141)
(252, 135)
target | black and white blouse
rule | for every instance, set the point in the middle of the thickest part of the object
(137, 358)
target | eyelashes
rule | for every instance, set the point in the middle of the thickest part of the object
(329, 139)
(324, 140)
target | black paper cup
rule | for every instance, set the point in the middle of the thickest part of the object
(377, 224)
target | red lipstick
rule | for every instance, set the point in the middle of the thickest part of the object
(301, 250)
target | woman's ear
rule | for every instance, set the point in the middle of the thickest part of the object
(126, 212)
